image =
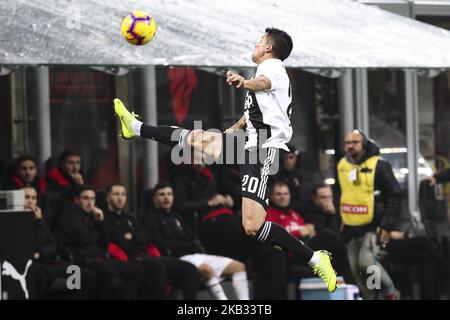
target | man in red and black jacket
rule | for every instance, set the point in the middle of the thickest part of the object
(26, 175)
(66, 175)
(137, 243)
(281, 213)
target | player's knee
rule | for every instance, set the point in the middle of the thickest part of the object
(205, 271)
(250, 228)
(233, 267)
(252, 224)
(238, 267)
(195, 136)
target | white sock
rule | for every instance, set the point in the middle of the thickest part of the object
(314, 260)
(215, 289)
(240, 285)
(136, 127)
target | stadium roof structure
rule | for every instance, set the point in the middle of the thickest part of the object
(326, 34)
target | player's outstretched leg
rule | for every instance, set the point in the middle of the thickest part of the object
(209, 143)
(253, 220)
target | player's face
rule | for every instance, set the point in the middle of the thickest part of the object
(260, 49)
(163, 199)
(354, 144)
(323, 197)
(117, 198)
(281, 196)
(86, 201)
(290, 160)
(72, 164)
(27, 171)
(30, 198)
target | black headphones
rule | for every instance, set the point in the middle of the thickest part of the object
(365, 141)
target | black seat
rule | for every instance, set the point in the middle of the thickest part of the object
(54, 203)
(433, 212)
(147, 205)
(100, 199)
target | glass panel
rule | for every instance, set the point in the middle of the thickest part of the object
(434, 119)
(387, 119)
(82, 120)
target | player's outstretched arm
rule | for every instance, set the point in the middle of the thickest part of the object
(261, 83)
(241, 124)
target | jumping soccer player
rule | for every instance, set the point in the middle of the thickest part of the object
(266, 118)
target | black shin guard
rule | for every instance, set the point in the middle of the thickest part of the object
(275, 235)
(168, 135)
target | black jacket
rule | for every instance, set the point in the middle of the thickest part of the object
(45, 242)
(171, 234)
(60, 181)
(321, 220)
(192, 190)
(387, 203)
(294, 180)
(119, 225)
(443, 176)
(229, 182)
(81, 238)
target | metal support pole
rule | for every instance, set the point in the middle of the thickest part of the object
(146, 81)
(346, 105)
(412, 142)
(39, 91)
(362, 101)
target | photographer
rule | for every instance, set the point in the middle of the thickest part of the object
(370, 200)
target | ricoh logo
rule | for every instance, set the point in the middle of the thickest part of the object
(355, 209)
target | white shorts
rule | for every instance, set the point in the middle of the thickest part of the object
(217, 263)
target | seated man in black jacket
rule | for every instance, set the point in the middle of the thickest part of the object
(322, 213)
(321, 210)
(173, 238)
(46, 268)
(422, 252)
(136, 242)
(83, 237)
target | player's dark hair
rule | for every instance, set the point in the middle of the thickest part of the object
(281, 42)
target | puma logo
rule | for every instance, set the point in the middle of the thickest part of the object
(9, 270)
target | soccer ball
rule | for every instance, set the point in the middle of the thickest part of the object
(138, 28)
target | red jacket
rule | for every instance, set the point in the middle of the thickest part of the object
(290, 220)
